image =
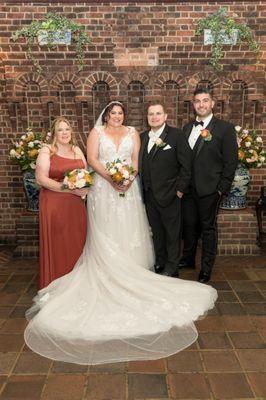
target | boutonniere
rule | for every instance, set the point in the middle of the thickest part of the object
(159, 143)
(207, 136)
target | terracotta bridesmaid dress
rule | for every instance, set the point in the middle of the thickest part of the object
(62, 224)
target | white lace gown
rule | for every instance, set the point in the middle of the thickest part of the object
(111, 307)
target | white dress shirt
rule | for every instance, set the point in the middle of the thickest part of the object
(153, 136)
(193, 137)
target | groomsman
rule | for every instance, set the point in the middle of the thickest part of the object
(164, 167)
(214, 159)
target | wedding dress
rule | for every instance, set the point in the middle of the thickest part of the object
(111, 307)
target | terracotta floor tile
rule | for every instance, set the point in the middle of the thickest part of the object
(5, 311)
(7, 361)
(258, 383)
(147, 366)
(221, 285)
(226, 296)
(15, 325)
(251, 297)
(3, 380)
(68, 368)
(246, 340)
(146, 386)
(188, 386)
(111, 368)
(237, 323)
(214, 340)
(236, 275)
(218, 361)
(259, 321)
(261, 285)
(64, 387)
(23, 388)
(14, 288)
(105, 386)
(185, 361)
(32, 363)
(253, 359)
(242, 286)
(255, 308)
(230, 386)
(230, 309)
(18, 312)
(11, 342)
(7, 299)
(212, 323)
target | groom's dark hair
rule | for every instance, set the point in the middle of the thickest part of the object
(156, 103)
(201, 90)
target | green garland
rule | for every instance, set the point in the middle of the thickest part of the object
(222, 25)
(54, 23)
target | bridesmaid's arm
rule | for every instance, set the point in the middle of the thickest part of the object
(42, 175)
(80, 154)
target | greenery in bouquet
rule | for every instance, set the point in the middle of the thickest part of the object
(250, 148)
(25, 150)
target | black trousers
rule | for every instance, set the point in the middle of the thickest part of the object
(199, 219)
(165, 224)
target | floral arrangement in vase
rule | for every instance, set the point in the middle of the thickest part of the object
(250, 148)
(25, 150)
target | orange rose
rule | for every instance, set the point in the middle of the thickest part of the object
(32, 153)
(241, 155)
(204, 133)
(117, 177)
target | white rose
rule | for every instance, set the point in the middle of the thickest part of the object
(23, 137)
(259, 139)
(119, 166)
(112, 171)
(262, 159)
(80, 175)
(13, 153)
(32, 165)
(30, 144)
(19, 144)
(248, 144)
(80, 183)
(18, 156)
(158, 142)
(245, 131)
(22, 152)
(250, 151)
(126, 174)
(259, 165)
(238, 128)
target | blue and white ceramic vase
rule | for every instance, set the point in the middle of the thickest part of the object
(236, 199)
(31, 190)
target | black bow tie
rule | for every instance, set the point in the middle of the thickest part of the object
(196, 123)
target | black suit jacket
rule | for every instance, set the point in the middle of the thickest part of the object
(170, 168)
(214, 162)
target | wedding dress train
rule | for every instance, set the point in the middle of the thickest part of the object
(111, 307)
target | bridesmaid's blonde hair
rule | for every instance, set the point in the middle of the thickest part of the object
(54, 128)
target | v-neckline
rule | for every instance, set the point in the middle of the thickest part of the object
(121, 140)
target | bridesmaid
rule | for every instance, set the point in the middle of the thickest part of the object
(62, 213)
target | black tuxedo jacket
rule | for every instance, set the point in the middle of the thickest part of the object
(214, 162)
(170, 168)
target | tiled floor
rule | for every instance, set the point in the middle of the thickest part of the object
(227, 362)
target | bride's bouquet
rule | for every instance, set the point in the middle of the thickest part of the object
(121, 173)
(77, 179)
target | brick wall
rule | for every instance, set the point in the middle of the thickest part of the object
(139, 51)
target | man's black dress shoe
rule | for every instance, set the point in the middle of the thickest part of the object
(204, 277)
(185, 264)
(172, 273)
(158, 268)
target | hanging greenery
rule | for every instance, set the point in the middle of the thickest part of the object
(51, 32)
(223, 29)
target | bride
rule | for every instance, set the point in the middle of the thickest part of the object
(111, 307)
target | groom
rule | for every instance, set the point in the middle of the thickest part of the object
(214, 159)
(164, 167)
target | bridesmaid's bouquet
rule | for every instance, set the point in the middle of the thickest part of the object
(121, 173)
(77, 179)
